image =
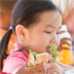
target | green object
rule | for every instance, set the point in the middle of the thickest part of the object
(33, 53)
(53, 50)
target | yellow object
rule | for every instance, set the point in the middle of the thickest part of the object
(65, 46)
(66, 57)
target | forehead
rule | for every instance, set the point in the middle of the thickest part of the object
(49, 18)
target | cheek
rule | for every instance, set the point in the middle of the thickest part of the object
(40, 40)
(52, 39)
(46, 39)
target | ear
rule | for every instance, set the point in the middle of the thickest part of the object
(22, 32)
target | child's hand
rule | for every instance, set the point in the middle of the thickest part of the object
(52, 68)
(41, 67)
(49, 68)
(35, 69)
(44, 58)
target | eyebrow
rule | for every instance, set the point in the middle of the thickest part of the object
(50, 26)
(53, 26)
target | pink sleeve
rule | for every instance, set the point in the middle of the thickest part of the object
(14, 62)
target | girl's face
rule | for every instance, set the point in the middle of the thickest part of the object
(39, 36)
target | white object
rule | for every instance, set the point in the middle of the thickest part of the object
(63, 33)
(71, 71)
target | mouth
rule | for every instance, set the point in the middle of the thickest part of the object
(48, 49)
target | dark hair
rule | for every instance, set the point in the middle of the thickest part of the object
(23, 12)
(3, 46)
(26, 10)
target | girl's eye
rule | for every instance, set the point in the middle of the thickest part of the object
(47, 32)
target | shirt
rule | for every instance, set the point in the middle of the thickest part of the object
(15, 61)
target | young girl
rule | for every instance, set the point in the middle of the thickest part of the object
(35, 23)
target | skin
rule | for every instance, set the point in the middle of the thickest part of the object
(40, 35)
(40, 69)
